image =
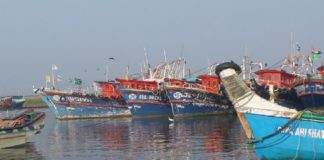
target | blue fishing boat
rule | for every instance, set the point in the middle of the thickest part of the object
(199, 97)
(143, 98)
(67, 105)
(14, 130)
(310, 90)
(18, 101)
(276, 132)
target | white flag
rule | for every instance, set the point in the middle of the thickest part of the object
(59, 78)
(54, 67)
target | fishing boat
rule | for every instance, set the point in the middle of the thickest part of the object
(106, 102)
(18, 101)
(200, 96)
(276, 132)
(310, 89)
(5, 102)
(143, 98)
(276, 85)
(144, 95)
(15, 130)
(12, 102)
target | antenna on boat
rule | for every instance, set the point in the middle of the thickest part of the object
(142, 71)
(147, 63)
(208, 64)
(243, 68)
(54, 68)
(165, 56)
(166, 65)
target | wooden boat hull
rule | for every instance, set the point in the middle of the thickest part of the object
(12, 139)
(12, 134)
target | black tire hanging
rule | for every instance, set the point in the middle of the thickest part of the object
(227, 65)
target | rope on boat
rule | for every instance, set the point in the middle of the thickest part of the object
(291, 120)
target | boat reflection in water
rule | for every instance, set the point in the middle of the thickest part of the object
(211, 137)
(23, 152)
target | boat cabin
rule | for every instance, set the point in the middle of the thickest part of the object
(138, 84)
(205, 82)
(108, 89)
(321, 71)
(279, 78)
(175, 82)
(211, 82)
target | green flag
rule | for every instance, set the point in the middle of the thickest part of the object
(315, 56)
(77, 81)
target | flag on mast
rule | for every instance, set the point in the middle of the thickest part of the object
(48, 78)
(59, 78)
(298, 46)
(316, 54)
(127, 70)
(54, 67)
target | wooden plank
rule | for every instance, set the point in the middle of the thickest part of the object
(245, 125)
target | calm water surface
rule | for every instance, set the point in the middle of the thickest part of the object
(212, 137)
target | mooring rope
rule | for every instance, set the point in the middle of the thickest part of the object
(291, 120)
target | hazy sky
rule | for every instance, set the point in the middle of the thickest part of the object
(80, 35)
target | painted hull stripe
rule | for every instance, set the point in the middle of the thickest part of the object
(69, 104)
(146, 102)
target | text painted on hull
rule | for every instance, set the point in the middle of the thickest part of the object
(143, 97)
(305, 132)
(71, 99)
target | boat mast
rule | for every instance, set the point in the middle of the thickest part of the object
(165, 61)
(147, 64)
(53, 79)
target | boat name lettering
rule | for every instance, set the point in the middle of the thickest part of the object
(56, 98)
(149, 97)
(78, 99)
(178, 95)
(132, 96)
(305, 132)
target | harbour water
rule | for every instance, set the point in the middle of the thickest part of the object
(212, 137)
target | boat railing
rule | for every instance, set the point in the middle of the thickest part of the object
(275, 83)
(193, 86)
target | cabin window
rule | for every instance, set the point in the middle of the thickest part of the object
(276, 78)
(133, 86)
(261, 79)
(214, 83)
(208, 84)
(269, 78)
